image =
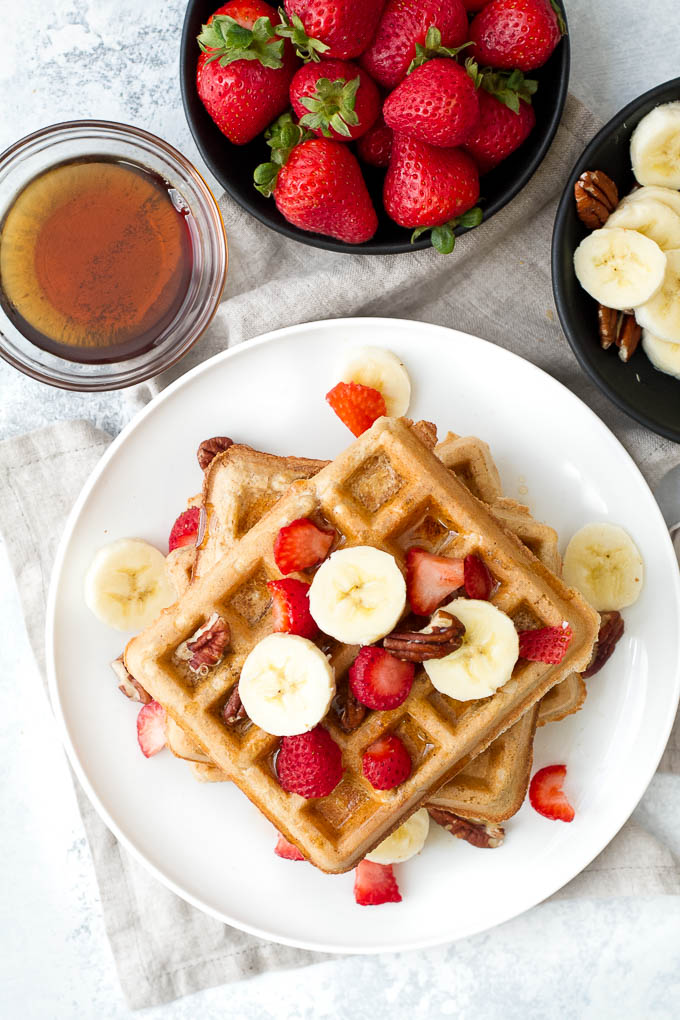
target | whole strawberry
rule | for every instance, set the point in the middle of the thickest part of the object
(335, 99)
(317, 184)
(499, 131)
(516, 33)
(244, 71)
(375, 147)
(426, 186)
(339, 29)
(405, 24)
(436, 103)
(475, 5)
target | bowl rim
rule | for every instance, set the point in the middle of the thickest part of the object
(559, 226)
(131, 131)
(186, 75)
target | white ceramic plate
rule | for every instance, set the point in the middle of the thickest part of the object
(206, 842)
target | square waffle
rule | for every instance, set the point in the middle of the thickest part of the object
(381, 491)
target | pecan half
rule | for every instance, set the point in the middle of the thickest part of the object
(206, 647)
(596, 197)
(485, 835)
(611, 629)
(441, 637)
(350, 712)
(209, 448)
(127, 683)
(233, 710)
(618, 328)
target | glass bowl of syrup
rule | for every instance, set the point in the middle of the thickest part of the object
(113, 255)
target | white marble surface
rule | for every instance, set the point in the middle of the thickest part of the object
(117, 59)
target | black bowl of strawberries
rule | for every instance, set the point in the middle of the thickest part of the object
(370, 126)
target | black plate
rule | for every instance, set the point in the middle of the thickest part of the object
(639, 389)
(233, 165)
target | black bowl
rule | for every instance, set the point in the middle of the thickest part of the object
(644, 393)
(233, 165)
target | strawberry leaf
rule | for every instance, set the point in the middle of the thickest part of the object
(226, 41)
(508, 86)
(433, 48)
(443, 237)
(282, 136)
(560, 16)
(331, 105)
(306, 47)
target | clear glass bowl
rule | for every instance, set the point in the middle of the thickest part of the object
(36, 153)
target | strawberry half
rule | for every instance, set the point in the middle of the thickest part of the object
(386, 763)
(301, 544)
(379, 680)
(356, 405)
(375, 884)
(479, 582)
(185, 529)
(430, 578)
(545, 644)
(151, 729)
(309, 764)
(287, 850)
(290, 608)
(547, 796)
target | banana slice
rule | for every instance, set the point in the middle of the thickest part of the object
(405, 842)
(604, 564)
(619, 268)
(381, 369)
(655, 147)
(668, 196)
(357, 595)
(650, 217)
(286, 685)
(485, 660)
(661, 313)
(127, 585)
(663, 355)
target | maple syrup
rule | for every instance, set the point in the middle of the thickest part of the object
(95, 260)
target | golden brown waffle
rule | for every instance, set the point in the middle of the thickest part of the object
(384, 490)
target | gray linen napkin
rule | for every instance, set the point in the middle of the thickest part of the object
(497, 285)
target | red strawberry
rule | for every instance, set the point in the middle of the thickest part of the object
(426, 186)
(546, 644)
(320, 188)
(185, 529)
(498, 132)
(437, 102)
(429, 579)
(301, 544)
(290, 608)
(386, 763)
(375, 884)
(547, 796)
(356, 405)
(309, 764)
(479, 582)
(151, 728)
(339, 29)
(516, 33)
(335, 99)
(475, 5)
(379, 680)
(287, 850)
(375, 147)
(405, 23)
(243, 77)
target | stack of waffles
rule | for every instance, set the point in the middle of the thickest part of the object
(393, 488)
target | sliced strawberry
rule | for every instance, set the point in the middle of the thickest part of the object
(286, 850)
(379, 680)
(301, 544)
(545, 644)
(185, 529)
(290, 607)
(547, 796)
(479, 582)
(429, 579)
(375, 884)
(309, 764)
(386, 763)
(151, 728)
(356, 405)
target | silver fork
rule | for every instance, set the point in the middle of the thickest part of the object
(667, 495)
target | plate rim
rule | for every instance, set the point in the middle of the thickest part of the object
(548, 887)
